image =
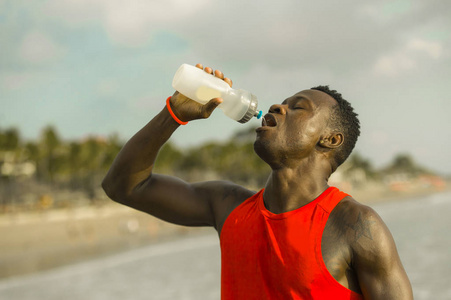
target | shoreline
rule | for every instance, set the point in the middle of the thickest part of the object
(37, 241)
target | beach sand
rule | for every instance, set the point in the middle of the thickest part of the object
(35, 241)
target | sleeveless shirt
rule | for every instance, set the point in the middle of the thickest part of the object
(278, 256)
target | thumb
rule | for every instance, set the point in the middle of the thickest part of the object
(210, 106)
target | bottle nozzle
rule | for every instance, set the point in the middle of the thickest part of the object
(258, 114)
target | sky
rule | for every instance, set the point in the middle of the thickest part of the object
(100, 67)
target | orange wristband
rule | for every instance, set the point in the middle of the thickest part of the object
(172, 113)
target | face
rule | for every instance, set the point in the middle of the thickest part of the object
(292, 130)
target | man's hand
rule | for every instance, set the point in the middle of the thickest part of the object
(187, 110)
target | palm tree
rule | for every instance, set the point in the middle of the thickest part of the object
(50, 142)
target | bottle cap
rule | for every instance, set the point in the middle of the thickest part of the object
(252, 110)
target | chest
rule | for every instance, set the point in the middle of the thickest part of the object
(297, 244)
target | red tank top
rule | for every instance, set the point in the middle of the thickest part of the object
(278, 256)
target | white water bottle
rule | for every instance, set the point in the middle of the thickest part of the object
(201, 87)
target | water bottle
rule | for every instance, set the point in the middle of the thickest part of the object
(198, 85)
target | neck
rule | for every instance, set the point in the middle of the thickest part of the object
(289, 188)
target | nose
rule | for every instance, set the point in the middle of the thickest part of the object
(277, 108)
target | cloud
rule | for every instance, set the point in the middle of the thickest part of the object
(283, 34)
(37, 48)
(133, 23)
(128, 23)
(14, 81)
(408, 57)
(432, 49)
(78, 14)
(387, 12)
(291, 33)
(393, 64)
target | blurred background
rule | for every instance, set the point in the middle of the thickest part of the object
(79, 78)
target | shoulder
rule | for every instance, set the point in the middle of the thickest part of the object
(360, 222)
(354, 221)
(366, 234)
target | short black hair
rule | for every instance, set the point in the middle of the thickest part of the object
(343, 119)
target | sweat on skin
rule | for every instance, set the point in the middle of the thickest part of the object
(298, 143)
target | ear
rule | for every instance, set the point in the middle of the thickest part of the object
(332, 141)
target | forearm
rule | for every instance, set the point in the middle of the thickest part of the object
(133, 165)
(135, 161)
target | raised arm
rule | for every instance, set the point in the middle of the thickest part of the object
(130, 180)
(376, 260)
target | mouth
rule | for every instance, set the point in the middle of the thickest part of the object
(268, 121)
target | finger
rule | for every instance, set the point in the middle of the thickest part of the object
(200, 66)
(219, 74)
(208, 70)
(210, 106)
(229, 81)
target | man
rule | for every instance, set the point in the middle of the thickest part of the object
(297, 238)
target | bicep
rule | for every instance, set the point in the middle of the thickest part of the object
(377, 262)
